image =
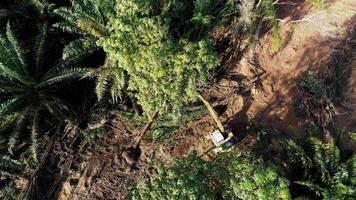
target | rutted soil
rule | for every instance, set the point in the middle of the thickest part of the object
(267, 83)
(308, 44)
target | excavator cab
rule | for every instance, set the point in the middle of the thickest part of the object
(223, 141)
(223, 138)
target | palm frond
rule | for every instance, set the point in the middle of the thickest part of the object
(16, 49)
(10, 165)
(102, 82)
(118, 85)
(71, 58)
(326, 157)
(62, 76)
(7, 85)
(86, 17)
(312, 187)
(297, 155)
(40, 48)
(6, 121)
(12, 59)
(15, 104)
(16, 133)
(78, 47)
(39, 5)
(92, 28)
(34, 137)
(111, 78)
(66, 14)
(68, 27)
(16, 74)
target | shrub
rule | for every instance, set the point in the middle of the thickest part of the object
(156, 51)
(232, 176)
(162, 70)
(311, 85)
(190, 178)
(249, 177)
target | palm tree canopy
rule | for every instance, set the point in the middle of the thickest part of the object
(29, 86)
(23, 81)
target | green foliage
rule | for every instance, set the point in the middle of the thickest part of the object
(249, 177)
(165, 125)
(318, 167)
(161, 70)
(245, 16)
(318, 4)
(190, 178)
(160, 67)
(86, 17)
(202, 12)
(28, 87)
(268, 11)
(311, 85)
(9, 168)
(43, 7)
(231, 176)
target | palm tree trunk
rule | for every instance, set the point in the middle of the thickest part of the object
(145, 130)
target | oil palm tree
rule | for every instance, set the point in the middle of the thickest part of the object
(29, 88)
(318, 167)
(89, 18)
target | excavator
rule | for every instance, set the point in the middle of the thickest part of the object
(223, 138)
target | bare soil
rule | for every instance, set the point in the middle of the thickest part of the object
(308, 44)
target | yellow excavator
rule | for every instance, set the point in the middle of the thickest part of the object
(223, 138)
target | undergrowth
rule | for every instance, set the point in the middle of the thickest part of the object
(318, 5)
(231, 176)
(166, 125)
(314, 104)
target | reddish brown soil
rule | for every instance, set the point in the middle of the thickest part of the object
(346, 112)
(348, 119)
(307, 46)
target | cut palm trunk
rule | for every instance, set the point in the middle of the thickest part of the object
(133, 153)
